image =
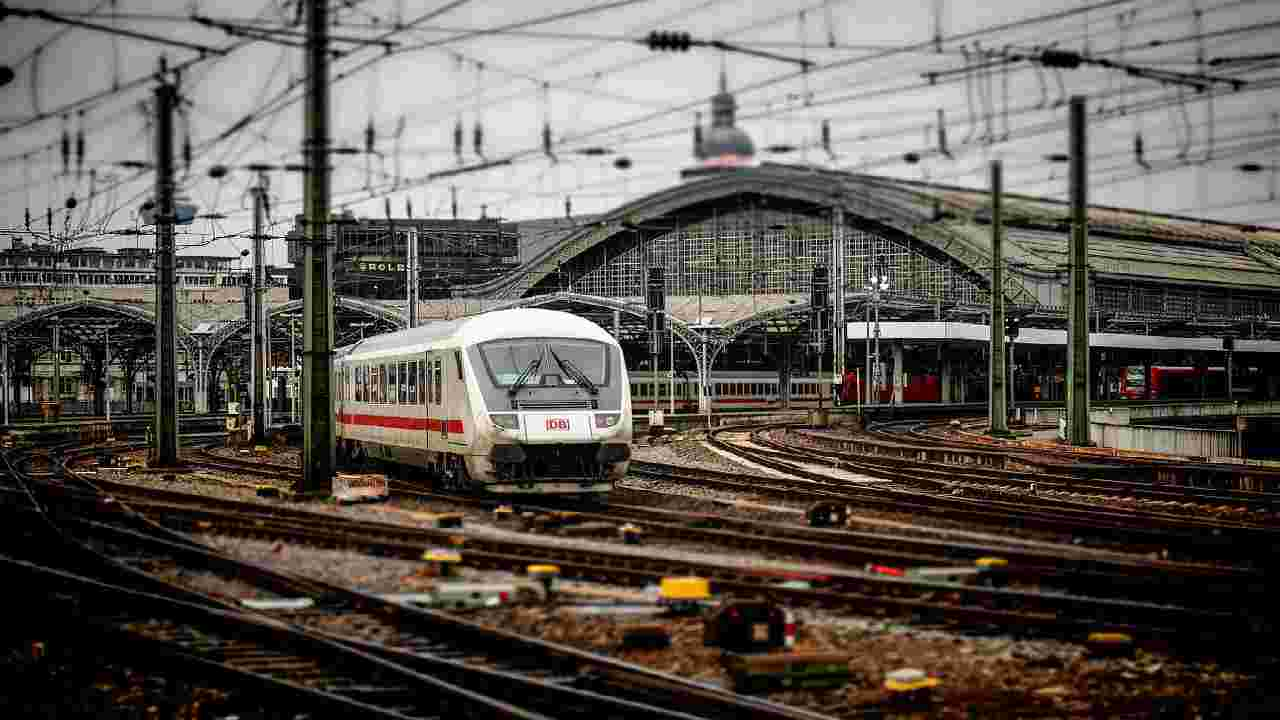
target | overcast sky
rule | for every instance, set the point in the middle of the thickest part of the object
(867, 81)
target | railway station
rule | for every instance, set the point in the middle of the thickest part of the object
(922, 362)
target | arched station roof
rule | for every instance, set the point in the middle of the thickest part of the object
(632, 317)
(389, 317)
(1144, 265)
(87, 321)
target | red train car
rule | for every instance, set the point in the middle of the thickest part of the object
(1168, 381)
(919, 388)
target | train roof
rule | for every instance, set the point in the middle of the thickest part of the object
(515, 323)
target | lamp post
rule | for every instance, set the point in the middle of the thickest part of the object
(704, 330)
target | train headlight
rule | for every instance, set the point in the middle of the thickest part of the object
(508, 421)
(607, 420)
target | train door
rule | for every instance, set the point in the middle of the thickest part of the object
(436, 402)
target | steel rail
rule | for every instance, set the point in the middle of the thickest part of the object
(507, 667)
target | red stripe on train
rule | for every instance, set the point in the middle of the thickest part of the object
(399, 423)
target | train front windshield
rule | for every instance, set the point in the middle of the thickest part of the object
(545, 362)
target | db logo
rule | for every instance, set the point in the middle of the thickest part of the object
(557, 423)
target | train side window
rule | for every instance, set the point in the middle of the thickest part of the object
(397, 389)
(413, 383)
(381, 390)
(360, 371)
(437, 379)
(402, 384)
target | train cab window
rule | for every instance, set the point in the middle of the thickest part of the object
(457, 361)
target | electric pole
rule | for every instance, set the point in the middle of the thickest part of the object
(166, 422)
(259, 315)
(839, 277)
(1078, 313)
(656, 296)
(317, 294)
(996, 400)
(411, 241)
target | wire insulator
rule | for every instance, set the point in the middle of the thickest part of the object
(697, 136)
(568, 207)
(942, 135)
(80, 146)
(186, 153)
(66, 147)
(369, 136)
(546, 141)
(477, 139)
(453, 200)
(457, 139)
(1139, 152)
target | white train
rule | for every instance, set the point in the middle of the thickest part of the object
(513, 401)
(729, 390)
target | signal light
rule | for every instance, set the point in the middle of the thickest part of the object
(676, 41)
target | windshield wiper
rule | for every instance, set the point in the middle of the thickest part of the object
(577, 375)
(524, 376)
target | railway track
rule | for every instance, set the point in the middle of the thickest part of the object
(348, 652)
(1124, 578)
(1064, 567)
(998, 461)
(1128, 578)
(947, 603)
(927, 490)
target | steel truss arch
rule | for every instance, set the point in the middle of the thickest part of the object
(869, 203)
(388, 314)
(47, 313)
(691, 338)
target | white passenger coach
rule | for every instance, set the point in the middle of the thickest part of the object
(513, 401)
